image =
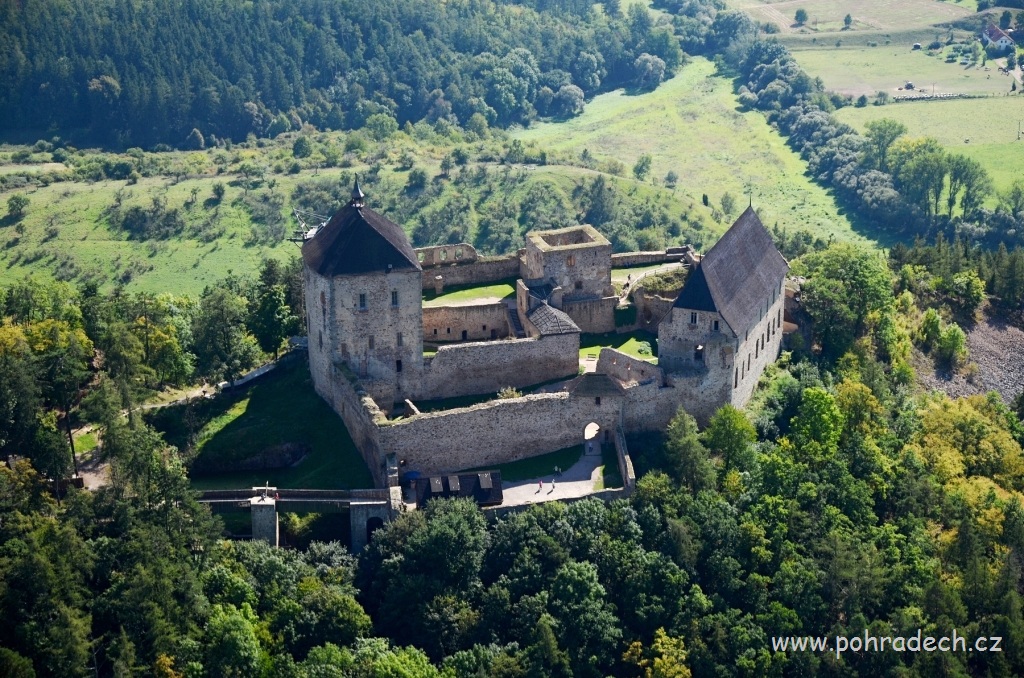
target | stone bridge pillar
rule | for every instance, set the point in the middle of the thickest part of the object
(364, 519)
(264, 515)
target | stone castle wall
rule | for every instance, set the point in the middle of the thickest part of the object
(487, 367)
(760, 348)
(595, 316)
(493, 433)
(627, 259)
(480, 322)
(479, 272)
(650, 310)
(459, 253)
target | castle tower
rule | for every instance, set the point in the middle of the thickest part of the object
(726, 323)
(364, 303)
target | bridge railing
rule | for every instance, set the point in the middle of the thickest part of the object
(289, 493)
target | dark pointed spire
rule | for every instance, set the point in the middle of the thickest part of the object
(357, 194)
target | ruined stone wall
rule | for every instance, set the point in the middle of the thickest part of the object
(496, 432)
(480, 322)
(483, 270)
(595, 316)
(650, 310)
(487, 367)
(459, 253)
(626, 259)
(760, 347)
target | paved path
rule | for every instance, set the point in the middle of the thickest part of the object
(578, 481)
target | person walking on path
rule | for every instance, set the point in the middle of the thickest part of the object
(540, 486)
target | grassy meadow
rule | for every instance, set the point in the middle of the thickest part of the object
(886, 68)
(826, 16)
(692, 125)
(983, 130)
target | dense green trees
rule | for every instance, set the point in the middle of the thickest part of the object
(138, 75)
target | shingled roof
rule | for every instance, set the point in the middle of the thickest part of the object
(550, 320)
(357, 240)
(736, 275)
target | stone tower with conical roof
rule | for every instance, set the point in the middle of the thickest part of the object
(363, 303)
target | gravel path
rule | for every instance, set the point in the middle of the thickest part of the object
(998, 350)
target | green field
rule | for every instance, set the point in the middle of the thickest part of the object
(639, 344)
(691, 125)
(279, 408)
(826, 16)
(468, 294)
(983, 130)
(869, 70)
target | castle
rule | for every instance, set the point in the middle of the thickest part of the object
(376, 348)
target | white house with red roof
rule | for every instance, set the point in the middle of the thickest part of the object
(997, 37)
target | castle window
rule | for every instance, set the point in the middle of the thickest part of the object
(484, 328)
(362, 301)
(757, 346)
(715, 326)
(448, 331)
(597, 400)
(458, 252)
(371, 342)
(444, 255)
(435, 331)
(579, 285)
(398, 339)
(748, 361)
(394, 298)
(736, 378)
(419, 257)
(780, 318)
(398, 366)
(321, 340)
(570, 260)
(693, 318)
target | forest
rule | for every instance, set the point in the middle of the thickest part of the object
(124, 74)
(842, 500)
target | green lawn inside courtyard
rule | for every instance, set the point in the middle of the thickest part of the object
(639, 344)
(467, 293)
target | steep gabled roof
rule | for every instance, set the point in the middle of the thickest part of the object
(994, 33)
(736, 275)
(357, 240)
(550, 320)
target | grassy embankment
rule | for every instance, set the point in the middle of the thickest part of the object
(279, 408)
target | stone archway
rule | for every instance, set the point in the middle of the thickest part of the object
(372, 525)
(592, 437)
